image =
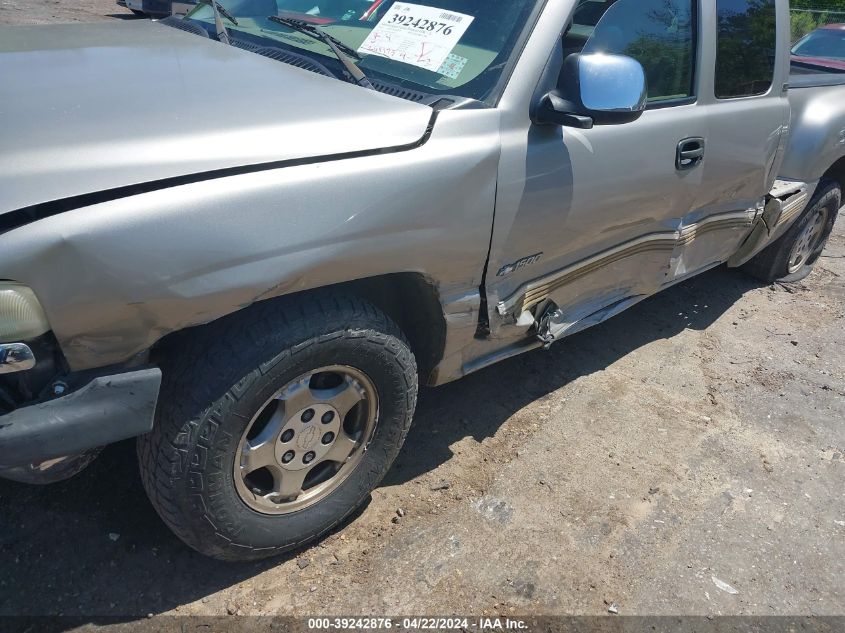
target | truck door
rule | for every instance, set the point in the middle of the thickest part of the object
(743, 91)
(589, 221)
(586, 219)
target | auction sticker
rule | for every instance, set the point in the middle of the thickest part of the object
(453, 66)
(416, 34)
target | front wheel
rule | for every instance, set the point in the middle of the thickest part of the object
(276, 424)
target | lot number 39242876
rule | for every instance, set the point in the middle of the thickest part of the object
(416, 34)
(422, 24)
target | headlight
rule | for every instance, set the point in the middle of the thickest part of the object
(21, 316)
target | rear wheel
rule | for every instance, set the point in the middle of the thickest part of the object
(792, 256)
(275, 424)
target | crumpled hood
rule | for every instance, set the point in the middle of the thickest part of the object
(90, 107)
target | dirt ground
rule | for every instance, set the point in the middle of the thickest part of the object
(695, 440)
(46, 11)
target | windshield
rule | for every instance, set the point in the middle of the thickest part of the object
(828, 44)
(589, 12)
(456, 47)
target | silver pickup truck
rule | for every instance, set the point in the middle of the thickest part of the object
(318, 206)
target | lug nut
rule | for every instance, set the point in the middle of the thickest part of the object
(328, 416)
(287, 436)
(288, 457)
(307, 415)
(328, 438)
(309, 457)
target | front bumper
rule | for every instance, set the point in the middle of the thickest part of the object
(107, 409)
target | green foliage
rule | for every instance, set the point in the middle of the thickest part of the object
(803, 23)
(808, 15)
(819, 5)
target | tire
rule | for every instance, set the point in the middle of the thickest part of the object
(782, 260)
(214, 390)
(138, 13)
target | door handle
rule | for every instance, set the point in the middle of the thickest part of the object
(690, 153)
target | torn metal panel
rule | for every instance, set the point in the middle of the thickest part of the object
(783, 206)
(555, 324)
(601, 286)
(789, 205)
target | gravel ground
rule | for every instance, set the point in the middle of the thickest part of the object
(46, 11)
(694, 442)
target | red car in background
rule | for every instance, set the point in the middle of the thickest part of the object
(823, 49)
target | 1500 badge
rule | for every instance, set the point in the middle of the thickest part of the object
(519, 265)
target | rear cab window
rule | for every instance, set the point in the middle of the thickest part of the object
(746, 48)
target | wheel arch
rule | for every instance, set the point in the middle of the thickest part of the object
(837, 173)
(410, 299)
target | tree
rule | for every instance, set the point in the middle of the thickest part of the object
(808, 15)
(818, 5)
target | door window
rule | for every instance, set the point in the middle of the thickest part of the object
(660, 34)
(746, 47)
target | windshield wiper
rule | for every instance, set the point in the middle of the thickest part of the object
(343, 52)
(219, 9)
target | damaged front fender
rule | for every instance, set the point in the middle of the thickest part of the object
(117, 276)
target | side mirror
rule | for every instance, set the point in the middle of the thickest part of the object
(596, 88)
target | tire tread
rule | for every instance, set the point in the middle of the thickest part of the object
(225, 349)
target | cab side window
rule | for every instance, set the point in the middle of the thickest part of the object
(745, 48)
(660, 34)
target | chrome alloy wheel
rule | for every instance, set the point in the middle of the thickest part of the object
(306, 440)
(808, 241)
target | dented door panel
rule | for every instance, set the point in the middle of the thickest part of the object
(605, 227)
